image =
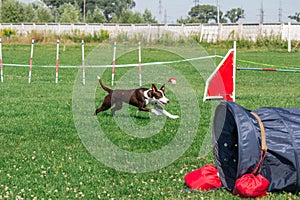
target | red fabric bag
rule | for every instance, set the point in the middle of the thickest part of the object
(254, 184)
(205, 178)
(250, 185)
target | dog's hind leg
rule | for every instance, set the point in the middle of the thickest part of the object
(117, 107)
(105, 105)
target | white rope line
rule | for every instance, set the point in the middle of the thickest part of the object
(109, 66)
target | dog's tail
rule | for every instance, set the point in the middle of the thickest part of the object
(103, 86)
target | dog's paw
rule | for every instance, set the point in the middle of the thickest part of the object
(98, 77)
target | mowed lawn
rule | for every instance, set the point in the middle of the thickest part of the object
(42, 155)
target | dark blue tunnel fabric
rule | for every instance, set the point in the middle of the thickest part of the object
(237, 145)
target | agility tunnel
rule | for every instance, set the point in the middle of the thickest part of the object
(239, 144)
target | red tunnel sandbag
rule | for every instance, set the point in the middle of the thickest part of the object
(205, 178)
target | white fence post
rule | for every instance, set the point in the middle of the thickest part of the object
(289, 38)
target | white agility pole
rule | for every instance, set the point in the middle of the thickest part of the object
(57, 57)
(83, 68)
(31, 55)
(234, 70)
(1, 67)
(113, 64)
(140, 63)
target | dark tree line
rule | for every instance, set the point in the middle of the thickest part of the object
(106, 11)
(91, 11)
(209, 13)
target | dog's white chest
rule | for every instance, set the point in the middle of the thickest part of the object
(147, 101)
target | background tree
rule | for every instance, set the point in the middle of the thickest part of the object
(222, 18)
(295, 17)
(110, 7)
(235, 14)
(55, 3)
(96, 16)
(187, 20)
(10, 11)
(114, 18)
(28, 13)
(99, 16)
(203, 13)
(44, 15)
(148, 18)
(69, 13)
(97, 11)
(127, 16)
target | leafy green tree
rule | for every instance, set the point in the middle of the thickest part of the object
(235, 14)
(114, 18)
(44, 15)
(137, 18)
(69, 13)
(28, 13)
(98, 16)
(148, 18)
(127, 16)
(187, 20)
(109, 8)
(203, 13)
(116, 7)
(10, 11)
(295, 17)
(55, 3)
(95, 17)
(89, 18)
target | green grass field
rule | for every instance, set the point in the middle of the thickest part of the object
(42, 155)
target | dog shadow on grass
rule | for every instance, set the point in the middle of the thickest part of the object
(136, 115)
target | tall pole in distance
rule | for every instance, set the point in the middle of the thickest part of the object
(160, 11)
(84, 2)
(262, 12)
(113, 64)
(1, 10)
(57, 54)
(1, 67)
(218, 12)
(30, 61)
(140, 63)
(83, 67)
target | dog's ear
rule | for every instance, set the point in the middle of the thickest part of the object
(163, 87)
(154, 88)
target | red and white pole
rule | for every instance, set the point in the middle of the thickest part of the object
(83, 67)
(1, 67)
(140, 63)
(57, 57)
(113, 64)
(31, 55)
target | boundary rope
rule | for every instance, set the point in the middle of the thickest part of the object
(110, 66)
(267, 67)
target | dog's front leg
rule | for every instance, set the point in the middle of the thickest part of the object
(154, 111)
(163, 111)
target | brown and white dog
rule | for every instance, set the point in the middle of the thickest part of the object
(140, 98)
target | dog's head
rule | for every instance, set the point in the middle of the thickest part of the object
(159, 95)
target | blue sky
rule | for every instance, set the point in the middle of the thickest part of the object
(175, 9)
